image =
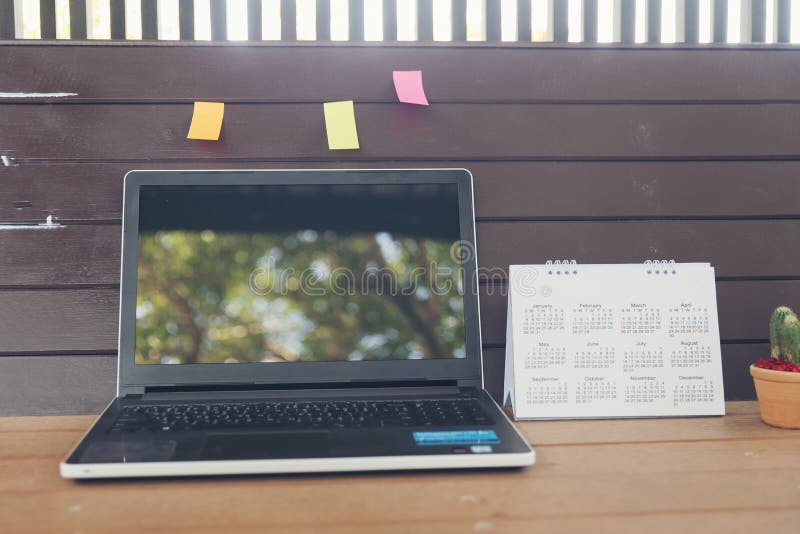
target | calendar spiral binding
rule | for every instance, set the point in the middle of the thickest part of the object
(568, 266)
(661, 267)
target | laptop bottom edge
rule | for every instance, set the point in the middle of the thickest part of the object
(296, 465)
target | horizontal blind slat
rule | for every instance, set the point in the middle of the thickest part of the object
(590, 21)
(560, 22)
(77, 19)
(720, 21)
(389, 20)
(219, 20)
(653, 21)
(323, 20)
(288, 20)
(149, 19)
(784, 20)
(117, 11)
(47, 18)
(627, 21)
(458, 20)
(524, 33)
(355, 16)
(186, 19)
(254, 32)
(758, 20)
(493, 20)
(7, 30)
(692, 24)
(425, 20)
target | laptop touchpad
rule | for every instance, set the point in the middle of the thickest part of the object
(272, 445)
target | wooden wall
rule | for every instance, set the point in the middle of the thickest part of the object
(601, 154)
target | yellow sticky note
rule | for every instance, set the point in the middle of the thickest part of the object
(340, 123)
(206, 121)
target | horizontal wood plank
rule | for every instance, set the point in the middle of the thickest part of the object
(60, 256)
(734, 248)
(655, 473)
(56, 385)
(521, 189)
(729, 521)
(474, 73)
(89, 254)
(742, 421)
(58, 321)
(744, 308)
(736, 360)
(515, 496)
(75, 384)
(388, 131)
(554, 460)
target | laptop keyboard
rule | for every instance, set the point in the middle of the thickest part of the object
(301, 415)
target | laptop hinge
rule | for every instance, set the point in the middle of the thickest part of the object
(131, 392)
(293, 390)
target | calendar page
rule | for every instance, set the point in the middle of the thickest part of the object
(594, 341)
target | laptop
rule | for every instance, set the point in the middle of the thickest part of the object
(296, 321)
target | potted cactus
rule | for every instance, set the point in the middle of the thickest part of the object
(777, 379)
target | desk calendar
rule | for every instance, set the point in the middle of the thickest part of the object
(632, 340)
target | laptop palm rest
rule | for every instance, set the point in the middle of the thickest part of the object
(266, 445)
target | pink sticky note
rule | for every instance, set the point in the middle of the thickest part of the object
(408, 84)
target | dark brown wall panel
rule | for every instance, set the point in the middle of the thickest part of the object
(60, 256)
(736, 360)
(86, 319)
(84, 254)
(502, 189)
(608, 154)
(73, 384)
(60, 321)
(744, 309)
(735, 248)
(56, 385)
(474, 72)
(390, 131)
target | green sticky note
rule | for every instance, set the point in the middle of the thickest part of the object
(340, 124)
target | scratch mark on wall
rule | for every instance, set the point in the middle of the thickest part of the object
(47, 225)
(36, 95)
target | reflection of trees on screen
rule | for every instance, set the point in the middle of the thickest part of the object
(195, 303)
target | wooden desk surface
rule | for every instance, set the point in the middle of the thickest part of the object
(729, 474)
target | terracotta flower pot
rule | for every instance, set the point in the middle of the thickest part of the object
(778, 396)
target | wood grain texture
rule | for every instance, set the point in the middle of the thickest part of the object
(644, 190)
(85, 319)
(7, 29)
(80, 384)
(56, 385)
(606, 154)
(47, 19)
(77, 19)
(656, 475)
(744, 308)
(474, 72)
(89, 254)
(60, 256)
(58, 320)
(388, 131)
(735, 248)
(736, 360)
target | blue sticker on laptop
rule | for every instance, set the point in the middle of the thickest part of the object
(456, 437)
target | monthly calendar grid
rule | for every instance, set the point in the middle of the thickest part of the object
(614, 341)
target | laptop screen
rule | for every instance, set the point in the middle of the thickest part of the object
(298, 273)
